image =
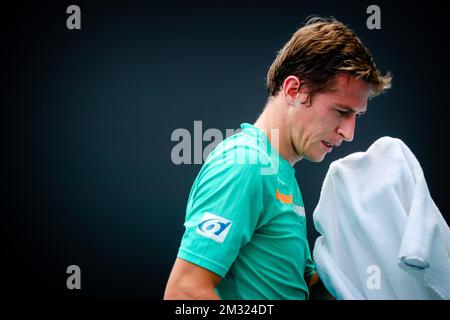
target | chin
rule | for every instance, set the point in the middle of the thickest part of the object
(316, 158)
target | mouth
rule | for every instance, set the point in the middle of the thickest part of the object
(327, 146)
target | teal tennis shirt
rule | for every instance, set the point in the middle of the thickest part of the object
(245, 221)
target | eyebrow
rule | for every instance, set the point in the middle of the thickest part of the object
(350, 109)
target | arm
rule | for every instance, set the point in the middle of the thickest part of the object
(317, 289)
(188, 281)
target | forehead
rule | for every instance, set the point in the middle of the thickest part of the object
(350, 91)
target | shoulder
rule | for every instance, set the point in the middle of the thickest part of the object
(242, 152)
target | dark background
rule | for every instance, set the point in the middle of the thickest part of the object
(87, 117)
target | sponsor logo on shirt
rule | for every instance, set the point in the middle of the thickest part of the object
(299, 210)
(283, 198)
(288, 199)
(214, 227)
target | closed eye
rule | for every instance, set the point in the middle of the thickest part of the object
(346, 113)
(343, 113)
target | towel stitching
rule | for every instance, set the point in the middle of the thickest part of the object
(413, 265)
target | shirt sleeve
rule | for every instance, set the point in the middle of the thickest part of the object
(223, 210)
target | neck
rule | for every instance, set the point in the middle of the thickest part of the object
(273, 120)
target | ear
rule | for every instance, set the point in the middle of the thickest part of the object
(291, 90)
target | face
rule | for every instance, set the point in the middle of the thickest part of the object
(328, 119)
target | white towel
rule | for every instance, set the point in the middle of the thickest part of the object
(382, 236)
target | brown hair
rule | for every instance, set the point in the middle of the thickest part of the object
(319, 51)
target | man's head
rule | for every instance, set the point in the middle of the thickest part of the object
(323, 76)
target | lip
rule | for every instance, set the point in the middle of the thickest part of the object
(327, 148)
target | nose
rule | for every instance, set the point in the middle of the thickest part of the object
(347, 128)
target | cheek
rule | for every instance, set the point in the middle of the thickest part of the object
(326, 125)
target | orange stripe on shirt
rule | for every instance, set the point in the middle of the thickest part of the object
(284, 198)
